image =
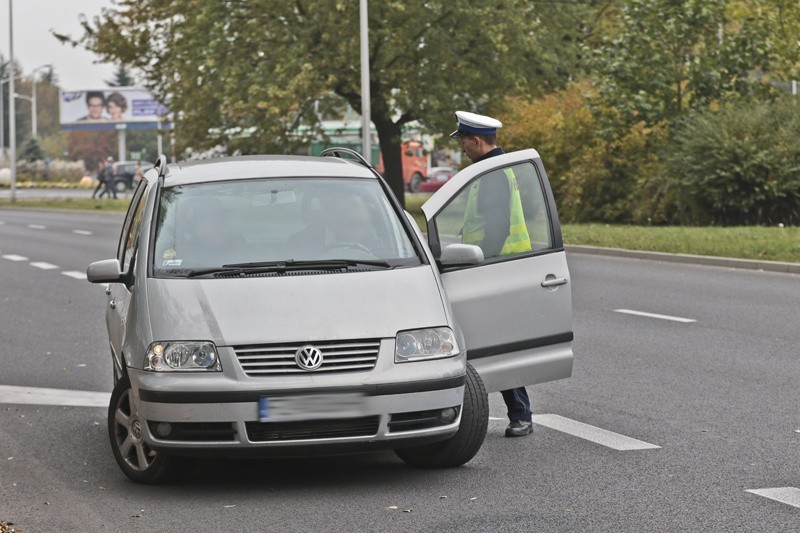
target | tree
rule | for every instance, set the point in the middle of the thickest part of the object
(91, 146)
(31, 150)
(672, 55)
(122, 78)
(247, 74)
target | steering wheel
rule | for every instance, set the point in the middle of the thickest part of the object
(350, 245)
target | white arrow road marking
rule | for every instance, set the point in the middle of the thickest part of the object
(43, 265)
(592, 433)
(787, 495)
(14, 257)
(43, 396)
(75, 274)
(654, 315)
(81, 232)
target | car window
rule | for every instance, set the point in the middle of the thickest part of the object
(208, 225)
(503, 211)
(132, 227)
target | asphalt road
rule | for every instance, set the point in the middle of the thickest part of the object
(718, 396)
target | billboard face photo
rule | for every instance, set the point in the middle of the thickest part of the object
(111, 105)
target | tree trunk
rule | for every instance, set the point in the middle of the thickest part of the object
(390, 136)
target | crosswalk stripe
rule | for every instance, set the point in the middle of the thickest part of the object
(11, 394)
(36, 226)
(787, 495)
(75, 274)
(592, 433)
(81, 232)
(14, 257)
(43, 265)
(655, 315)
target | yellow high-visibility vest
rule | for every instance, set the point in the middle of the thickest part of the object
(474, 231)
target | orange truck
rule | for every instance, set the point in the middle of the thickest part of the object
(414, 160)
(415, 165)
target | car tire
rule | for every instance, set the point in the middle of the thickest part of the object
(415, 183)
(120, 186)
(461, 447)
(125, 430)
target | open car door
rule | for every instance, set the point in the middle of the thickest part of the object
(515, 306)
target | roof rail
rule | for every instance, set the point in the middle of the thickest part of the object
(337, 152)
(161, 167)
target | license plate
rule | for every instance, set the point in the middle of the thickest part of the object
(310, 407)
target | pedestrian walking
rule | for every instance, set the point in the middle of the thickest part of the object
(101, 179)
(497, 231)
(138, 173)
(108, 173)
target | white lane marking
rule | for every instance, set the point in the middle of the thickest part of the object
(36, 226)
(496, 418)
(43, 396)
(654, 315)
(75, 274)
(14, 257)
(787, 495)
(81, 232)
(43, 265)
(592, 433)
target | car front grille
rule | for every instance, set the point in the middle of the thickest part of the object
(337, 356)
(364, 426)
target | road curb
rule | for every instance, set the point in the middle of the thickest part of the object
(705, 260)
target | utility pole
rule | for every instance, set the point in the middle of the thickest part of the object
(12, 121)
(366, 121)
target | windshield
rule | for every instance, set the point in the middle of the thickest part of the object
(202, 227)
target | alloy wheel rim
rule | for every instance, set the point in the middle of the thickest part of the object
(128, 432)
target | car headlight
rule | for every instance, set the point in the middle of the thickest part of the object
(182, 356)
(421, 344)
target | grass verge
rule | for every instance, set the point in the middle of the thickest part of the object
(744, 242)
(80, 204)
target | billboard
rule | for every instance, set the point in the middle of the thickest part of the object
(110, 108)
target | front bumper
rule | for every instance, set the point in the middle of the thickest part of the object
(393, 415)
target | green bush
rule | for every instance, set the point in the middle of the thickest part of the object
(739, 165)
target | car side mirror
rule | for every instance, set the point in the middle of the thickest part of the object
(461, 255)
(107, 271)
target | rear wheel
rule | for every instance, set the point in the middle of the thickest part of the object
(461, 447)
(126, 430)
(415, 183)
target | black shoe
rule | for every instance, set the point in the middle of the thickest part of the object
(519, 428)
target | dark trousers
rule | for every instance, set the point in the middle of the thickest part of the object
(518, 404)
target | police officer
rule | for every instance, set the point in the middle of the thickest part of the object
(494, 220)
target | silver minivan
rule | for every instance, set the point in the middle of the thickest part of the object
(275, 305)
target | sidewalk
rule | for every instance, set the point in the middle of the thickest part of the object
(706, 260)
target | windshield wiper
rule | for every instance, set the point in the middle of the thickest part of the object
(290, 264)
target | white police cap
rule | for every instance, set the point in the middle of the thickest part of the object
(475, 124)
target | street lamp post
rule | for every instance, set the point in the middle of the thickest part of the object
(365, 96)
(12, 121)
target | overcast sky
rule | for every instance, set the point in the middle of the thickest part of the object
(34, 45)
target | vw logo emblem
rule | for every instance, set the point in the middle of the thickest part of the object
(308, 358)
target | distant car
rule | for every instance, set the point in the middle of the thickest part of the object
(276, 305)
(123, 174)
(437, 176)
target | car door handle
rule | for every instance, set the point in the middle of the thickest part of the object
(554, 281)
(112, 304)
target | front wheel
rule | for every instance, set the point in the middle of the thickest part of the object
(126, 430)
(120, 186)
(461, 447)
